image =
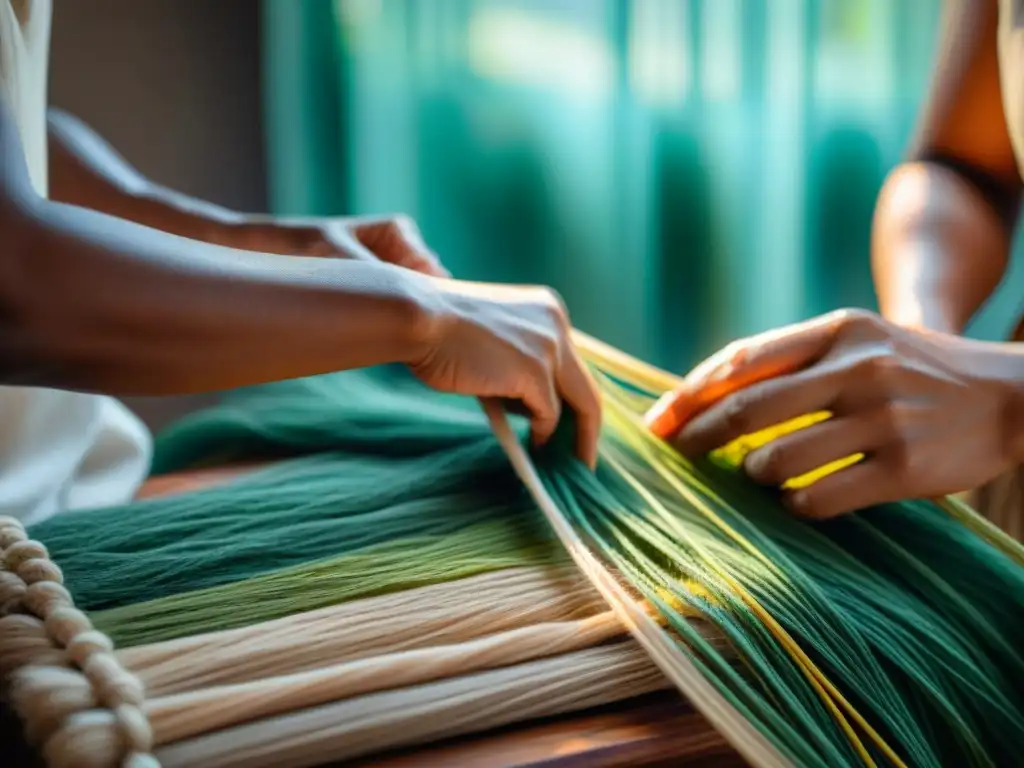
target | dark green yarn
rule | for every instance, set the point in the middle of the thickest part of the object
(912, 616)
(376, 412)
(886, 640)
(307, 509)
(391, 566)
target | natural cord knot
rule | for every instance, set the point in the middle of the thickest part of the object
(89, 716)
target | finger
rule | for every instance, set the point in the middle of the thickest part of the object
(515, 407)
(579, 390)
(848, 490)
(397, 240)
(806, 450)
(545, 407)
(351, 248)
(416, 243)
(760, 406)
(740, 365)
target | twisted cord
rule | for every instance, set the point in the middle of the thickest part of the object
(80, 707)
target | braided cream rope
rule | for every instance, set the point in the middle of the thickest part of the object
(77, 703)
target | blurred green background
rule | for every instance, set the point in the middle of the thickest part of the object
(684, 172)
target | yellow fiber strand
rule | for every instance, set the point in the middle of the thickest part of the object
(746, 739)
(826, 690)
(806, 666)
(645, 376)
(963, 513)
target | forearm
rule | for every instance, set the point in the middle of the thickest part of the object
(92, 303)
(939, 249)
(87, 172)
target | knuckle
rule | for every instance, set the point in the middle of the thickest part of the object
(880, 369)
(554, 304)
(401, 222)
(811, 505)
(550, 347)
(735, 353)
(769, 463)
(893, 418)
(855, 323)
(899, 458)
(853, 317)
(736, 413)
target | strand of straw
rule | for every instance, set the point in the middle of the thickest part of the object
(672, 661)
(185, 715)
(427, 713)
(418, 618)
(444, 614)
(390, 567)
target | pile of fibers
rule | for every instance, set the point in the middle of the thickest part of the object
(888, 637)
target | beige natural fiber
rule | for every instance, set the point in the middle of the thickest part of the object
(661, 648)
(445, 613)
(367, 646)
(369, 724)
(188, 714)
(62, 673)
(340, 682)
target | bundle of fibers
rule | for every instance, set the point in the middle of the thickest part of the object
(337, 683)
(888, 637)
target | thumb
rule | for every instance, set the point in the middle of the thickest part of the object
(739, 365)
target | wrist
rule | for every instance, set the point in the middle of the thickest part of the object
(1006, 363)
(423, 315)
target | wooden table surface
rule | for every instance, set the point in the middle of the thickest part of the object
(657, 730)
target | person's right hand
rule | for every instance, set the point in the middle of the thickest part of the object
(512, 342)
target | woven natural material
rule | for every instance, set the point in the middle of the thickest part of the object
(888, 637)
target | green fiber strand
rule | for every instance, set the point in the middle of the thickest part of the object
(891, 632)
(325, 505)
(405, 563)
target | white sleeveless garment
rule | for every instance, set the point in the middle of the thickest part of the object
(59, 451)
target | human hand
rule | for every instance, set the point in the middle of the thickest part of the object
(391, 239)
(512, 342)
(934, 414)
(498, 341)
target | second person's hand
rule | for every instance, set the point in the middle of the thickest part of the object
(934, 414)
(511, 342)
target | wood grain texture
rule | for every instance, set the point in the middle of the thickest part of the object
(651, 731)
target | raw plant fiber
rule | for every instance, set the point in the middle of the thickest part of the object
(408, 571)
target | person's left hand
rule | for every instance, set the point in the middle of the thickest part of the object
(934, 414)
(391, 239)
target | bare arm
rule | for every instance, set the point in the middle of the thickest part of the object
(94, 303)
(91, 302)
(944, 219)
(86, 171)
